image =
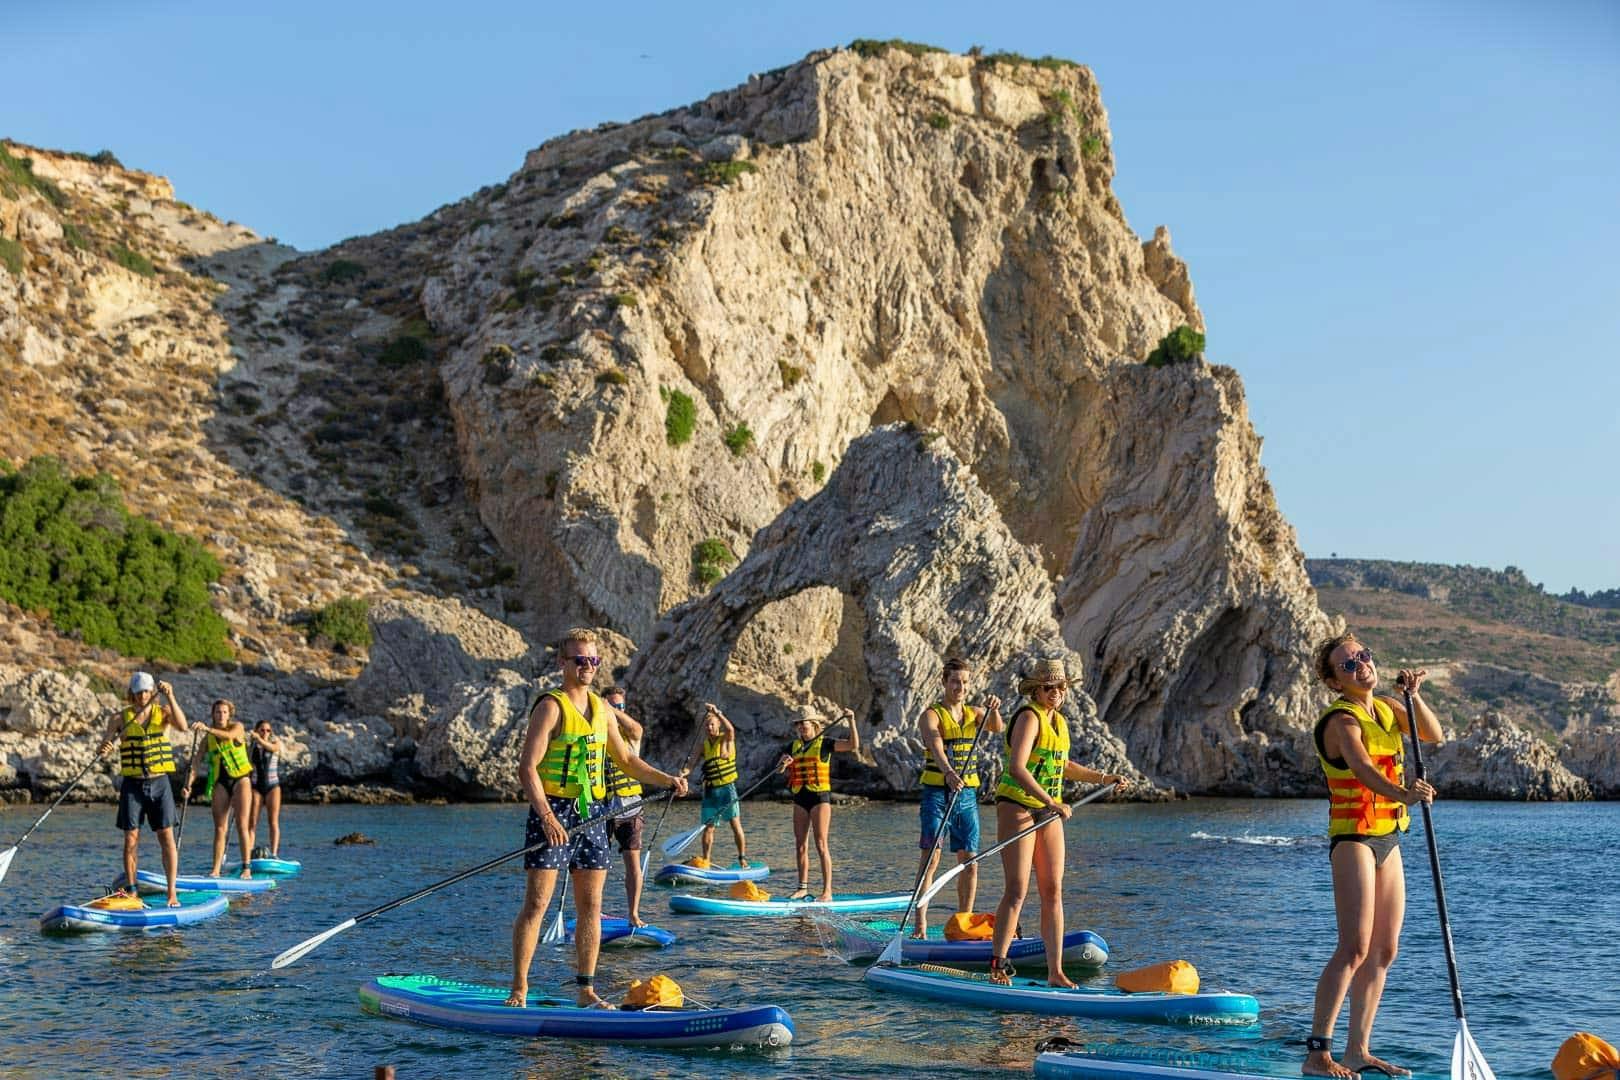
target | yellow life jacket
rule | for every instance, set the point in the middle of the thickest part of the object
(958, 747)
(227, 754)
(718, 769)
(1046, 758)
(807, 771)
(1354, 809)
(572, 767)
(143, 749)
(618, 781)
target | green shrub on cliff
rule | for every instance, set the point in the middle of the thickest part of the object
(1182, 345)
(11, 255)
(871, 47)
(70, 548)
(680, 418)
(344, 622)
(710, 559)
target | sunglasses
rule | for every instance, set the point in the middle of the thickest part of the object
(1350, 665)
(1049, 687)
(585, 661)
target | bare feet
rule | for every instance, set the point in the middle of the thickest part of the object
(1321, 1063)
(636, 920)
(174, 901)
(247, 873)
(801, 893)
(919, 935)
(742, 862)
(1001, 976)
(589, 999)
(1371, 1064)
(824, 898)
(1058, 979)
(517, 998)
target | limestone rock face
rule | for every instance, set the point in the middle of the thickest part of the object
(422, 647)
(471, 746)
(1593, 754)
(1497, 759)
(49, 702)
(1189, 591)
(904, 530)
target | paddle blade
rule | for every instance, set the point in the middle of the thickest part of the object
(933, 891)
(303, 948)
(5, 860)
(681, 841)
(1467, 1063)
(646, 860)
(555, 931)
(891, 954)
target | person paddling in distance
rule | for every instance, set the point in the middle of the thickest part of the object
(719, 756)
(264, 754)
(561, 771)
(1358, 745)
(622, 788)
(1031, 783)
(949, 729)
(809, 772)
(145, 763)
(229, 784)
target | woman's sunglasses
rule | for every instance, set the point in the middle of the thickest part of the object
(1049, 687)
(1355, 660)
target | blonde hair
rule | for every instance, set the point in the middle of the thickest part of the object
(579, 635)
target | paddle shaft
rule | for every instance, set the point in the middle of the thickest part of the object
(939, 833)
(65, 792)
(1434, 859)
(191, 763)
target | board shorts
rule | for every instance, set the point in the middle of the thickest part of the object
(149, 799)
(809, 800)
(626, 830)
(1380, 846)
(586, 849)
(720, 804)
(964, 823)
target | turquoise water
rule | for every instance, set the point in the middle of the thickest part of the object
(1239, 888)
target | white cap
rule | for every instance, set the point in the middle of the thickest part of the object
(140, 682)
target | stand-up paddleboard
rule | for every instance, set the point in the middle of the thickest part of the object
(195, 907)
(725, 905)
(461, 1006)
(1035, 996)
(617, 933)
(681, 874)
(1154, 1063)
(278, 867)
(151, 881)
(865, 941)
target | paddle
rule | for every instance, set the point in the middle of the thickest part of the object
(945, 878)
(191, 763)
(683, 840)
(11, 852)
(891, 951)
(1467, 1062)
(555, 930)
(303, 948)
(669, 800)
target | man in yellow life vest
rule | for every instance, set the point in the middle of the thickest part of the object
(229, 788)
(1358, 744)
(145, 763)
(561, 769)
(718, 753)
(949, 728)
(809, 772)
(626, 829)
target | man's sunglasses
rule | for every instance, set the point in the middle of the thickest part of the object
(1355, 660)
(585, 661)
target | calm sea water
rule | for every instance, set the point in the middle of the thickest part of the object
(1239, 888)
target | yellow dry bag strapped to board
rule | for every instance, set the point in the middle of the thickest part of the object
(747, 890)
(971, 926)
(1172, 977)
(658, 992)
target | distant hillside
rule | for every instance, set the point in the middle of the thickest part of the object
(1494, 639)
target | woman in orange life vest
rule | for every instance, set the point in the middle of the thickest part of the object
(809, 772)
(1037, 765)
(1358, 743)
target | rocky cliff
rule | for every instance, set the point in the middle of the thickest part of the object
(653, 358)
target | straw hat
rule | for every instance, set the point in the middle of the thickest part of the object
(1043, 673)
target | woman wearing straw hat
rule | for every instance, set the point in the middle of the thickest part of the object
(807, 763)
(1032, 781)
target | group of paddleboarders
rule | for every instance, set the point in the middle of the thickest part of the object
(241, 766)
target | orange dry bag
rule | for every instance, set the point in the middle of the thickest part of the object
(970, 926)
(1585, 1056)
(658, 992)
(1174, 977)
(747, 890)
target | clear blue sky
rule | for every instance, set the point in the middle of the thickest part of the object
(1401, 218)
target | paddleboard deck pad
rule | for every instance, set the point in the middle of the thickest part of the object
(866, 941)
(195, 907)
(151, 881)
(681, 874)
(460, 1006)
(617, 933)
(724, 905)
(1115, 1062)
(1032, 995)
(279, 867)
